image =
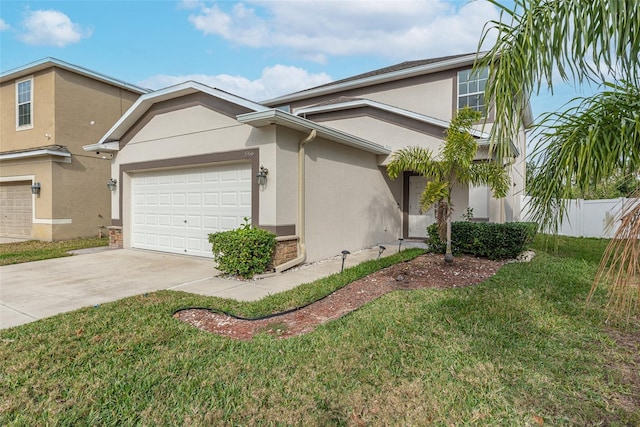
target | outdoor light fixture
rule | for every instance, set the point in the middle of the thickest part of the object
(344, 256)
(380, 250)
(35, 188)
(112, 184)
(400, 244)
(262, 176)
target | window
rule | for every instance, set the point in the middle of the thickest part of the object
(24, 110)
(471, 86)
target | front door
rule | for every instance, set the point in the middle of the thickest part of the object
(418, 221)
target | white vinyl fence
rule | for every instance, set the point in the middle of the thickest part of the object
(589, 218)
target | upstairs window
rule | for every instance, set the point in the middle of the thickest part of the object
(471, 86)
(24, 105)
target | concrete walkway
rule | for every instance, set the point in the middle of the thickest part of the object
(40, 289)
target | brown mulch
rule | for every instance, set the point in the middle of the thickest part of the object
(425, 271)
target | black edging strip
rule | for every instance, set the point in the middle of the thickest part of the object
(267, 316)
(281, 313)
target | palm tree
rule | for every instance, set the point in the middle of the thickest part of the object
(454, 166)
(595, 41)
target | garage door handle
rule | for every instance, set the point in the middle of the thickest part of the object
(185, 221)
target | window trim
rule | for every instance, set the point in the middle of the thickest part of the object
(30, 102)
(478, 92)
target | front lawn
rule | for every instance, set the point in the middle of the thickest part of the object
(520, 349)
(35, 250)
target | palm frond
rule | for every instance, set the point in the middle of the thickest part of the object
(414, 159)
(582, 147)
(433, 192)
(620, 266)
(580, 40)
(491, 174)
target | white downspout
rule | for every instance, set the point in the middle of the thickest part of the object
(503, 215)
(300, 227)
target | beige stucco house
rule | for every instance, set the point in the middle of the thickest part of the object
(49, 109)
(190, 160)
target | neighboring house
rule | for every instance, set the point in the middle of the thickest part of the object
(49, 109)
(188, 161)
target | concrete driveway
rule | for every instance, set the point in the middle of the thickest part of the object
(35, 290)
(40, 289)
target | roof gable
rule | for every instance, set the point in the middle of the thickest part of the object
(47, 63)
(149, 100)
(395, 72)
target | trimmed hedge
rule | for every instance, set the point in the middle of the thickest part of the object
(244, 252)
(484, 239)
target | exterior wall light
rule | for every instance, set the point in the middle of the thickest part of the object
(112, 184)
(262, 176)
(35, 188)
(344, 256)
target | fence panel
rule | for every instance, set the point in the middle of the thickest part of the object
(588, 218)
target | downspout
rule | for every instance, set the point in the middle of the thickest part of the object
(302, 250)
(503, 215)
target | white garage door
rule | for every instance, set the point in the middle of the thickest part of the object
(15, 209)
(175, 210)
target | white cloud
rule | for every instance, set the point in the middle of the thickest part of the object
(51, 28)
(3, 25)
(274, 81)
(405, 29)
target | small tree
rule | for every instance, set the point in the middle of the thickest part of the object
(455, 165)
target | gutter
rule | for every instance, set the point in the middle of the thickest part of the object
(35, 153)
(302, 249)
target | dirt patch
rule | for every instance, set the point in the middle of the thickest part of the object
(425, 271)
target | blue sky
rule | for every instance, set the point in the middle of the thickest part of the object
(256, 49)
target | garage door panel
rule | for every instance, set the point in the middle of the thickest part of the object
(229, 199)
(179, 216)
(178, 221)
(178, 199)
(211, 199)
(210, 222)
(194, 222)
(164, 220)
(229, 223)
(245, 199)
(178, 179)
(194, 199)
(164, 241)
(211, 177)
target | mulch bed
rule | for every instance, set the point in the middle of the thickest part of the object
(425, 271)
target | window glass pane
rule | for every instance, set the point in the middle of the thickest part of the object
(24, 114)
(24, 91)
(472, 82)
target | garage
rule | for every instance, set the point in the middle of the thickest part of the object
(17, 210)
(175, 210)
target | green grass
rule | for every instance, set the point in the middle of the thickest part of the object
(516, 349)
(34, 250)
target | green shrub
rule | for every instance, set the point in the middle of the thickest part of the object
(244, 252)
(483, 239)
